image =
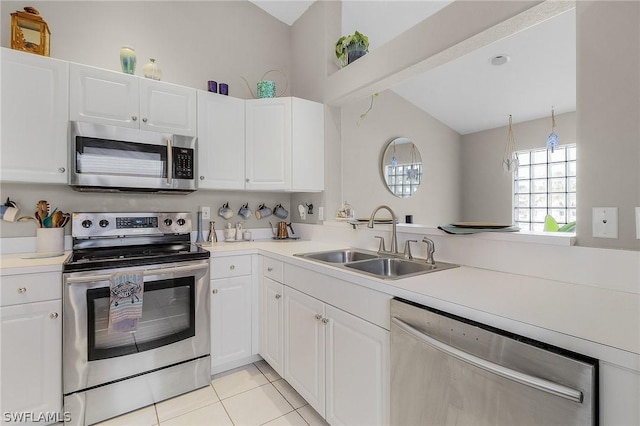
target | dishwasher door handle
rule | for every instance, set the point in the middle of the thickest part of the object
(507, 373)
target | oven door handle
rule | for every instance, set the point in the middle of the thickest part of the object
(147, 272)
(505, 372)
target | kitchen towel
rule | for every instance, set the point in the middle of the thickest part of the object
(125, 300)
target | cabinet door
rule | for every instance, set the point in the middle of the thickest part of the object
(167, 108)
(32, 357)
(357, 371)
(103, 97)
(230, 319)
(35, 105)
(271, 324)
(304, 347)
(268, 143)
(307, 173)
(220, 141)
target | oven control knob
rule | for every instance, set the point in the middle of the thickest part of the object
(103, 223)
(86, 223)
(168, 222)
(181, 222)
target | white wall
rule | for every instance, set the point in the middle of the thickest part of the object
(608, 117)
(487, 192)
(437, 201)
(193, 42)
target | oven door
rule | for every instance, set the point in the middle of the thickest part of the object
(174, 327)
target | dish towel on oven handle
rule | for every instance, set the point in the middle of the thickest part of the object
(125, 300)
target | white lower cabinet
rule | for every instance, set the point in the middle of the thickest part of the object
(231, 310)
(304, 346)
(31, 357)
(338, 362)
(271, 324)
(357, 376)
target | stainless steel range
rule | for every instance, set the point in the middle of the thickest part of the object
(135, 313)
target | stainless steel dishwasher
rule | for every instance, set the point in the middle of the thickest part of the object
(447, 370)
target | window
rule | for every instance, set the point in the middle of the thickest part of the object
(404, 179)
(545, 184)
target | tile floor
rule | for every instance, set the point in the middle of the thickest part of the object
(251, 395)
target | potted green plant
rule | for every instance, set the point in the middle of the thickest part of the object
(351, 47)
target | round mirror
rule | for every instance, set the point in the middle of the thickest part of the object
(401, 167)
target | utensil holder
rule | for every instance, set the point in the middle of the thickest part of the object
(50, 240)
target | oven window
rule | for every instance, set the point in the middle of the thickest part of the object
(168, 316)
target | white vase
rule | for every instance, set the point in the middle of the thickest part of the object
(152, 70)
(128, 59)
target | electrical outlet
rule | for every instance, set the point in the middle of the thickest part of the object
(605, 222)
(638, 223)
(320, 213)
(302, 211)
(206, 213)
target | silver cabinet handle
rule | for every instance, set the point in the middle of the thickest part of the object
(246, 180)
(201, 177)
(269, 269)
(278, 296)
(22, 290)
(502, 371)
(134, 118)
(232, 267)
(325, 321)
(318, 317)
(61, 169)
(214, 291)
(144, 120)
(53, 315)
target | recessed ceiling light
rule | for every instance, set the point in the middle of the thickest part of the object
(500, 60)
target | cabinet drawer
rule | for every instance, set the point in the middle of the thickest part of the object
(28, 288)
(273, 269)
(231, 266)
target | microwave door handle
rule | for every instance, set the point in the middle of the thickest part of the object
(169, 162)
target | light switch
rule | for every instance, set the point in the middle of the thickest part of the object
(605, 222)
(638, 223)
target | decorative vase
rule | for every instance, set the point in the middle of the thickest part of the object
(266, 89)
(152, 70)
(355, 51)
(128, 59)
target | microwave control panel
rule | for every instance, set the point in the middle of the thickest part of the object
(183, 163)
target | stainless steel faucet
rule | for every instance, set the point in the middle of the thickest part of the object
(431, 248)
(394, 237)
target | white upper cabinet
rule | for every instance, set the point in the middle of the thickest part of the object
(284, 144)
(35, 93)
(167, 107)
(220, 141)
(117, 99)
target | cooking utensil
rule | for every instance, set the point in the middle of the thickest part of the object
(66, 217)
(56, 219)
(47, 222)
(36, 215)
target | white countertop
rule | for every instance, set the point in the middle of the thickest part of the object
(600, 322)
(553, 311)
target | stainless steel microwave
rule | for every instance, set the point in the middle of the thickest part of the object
(118, 159)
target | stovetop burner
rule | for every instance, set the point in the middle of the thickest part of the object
(117, 240)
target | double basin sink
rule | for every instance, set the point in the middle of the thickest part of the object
(374, 264)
